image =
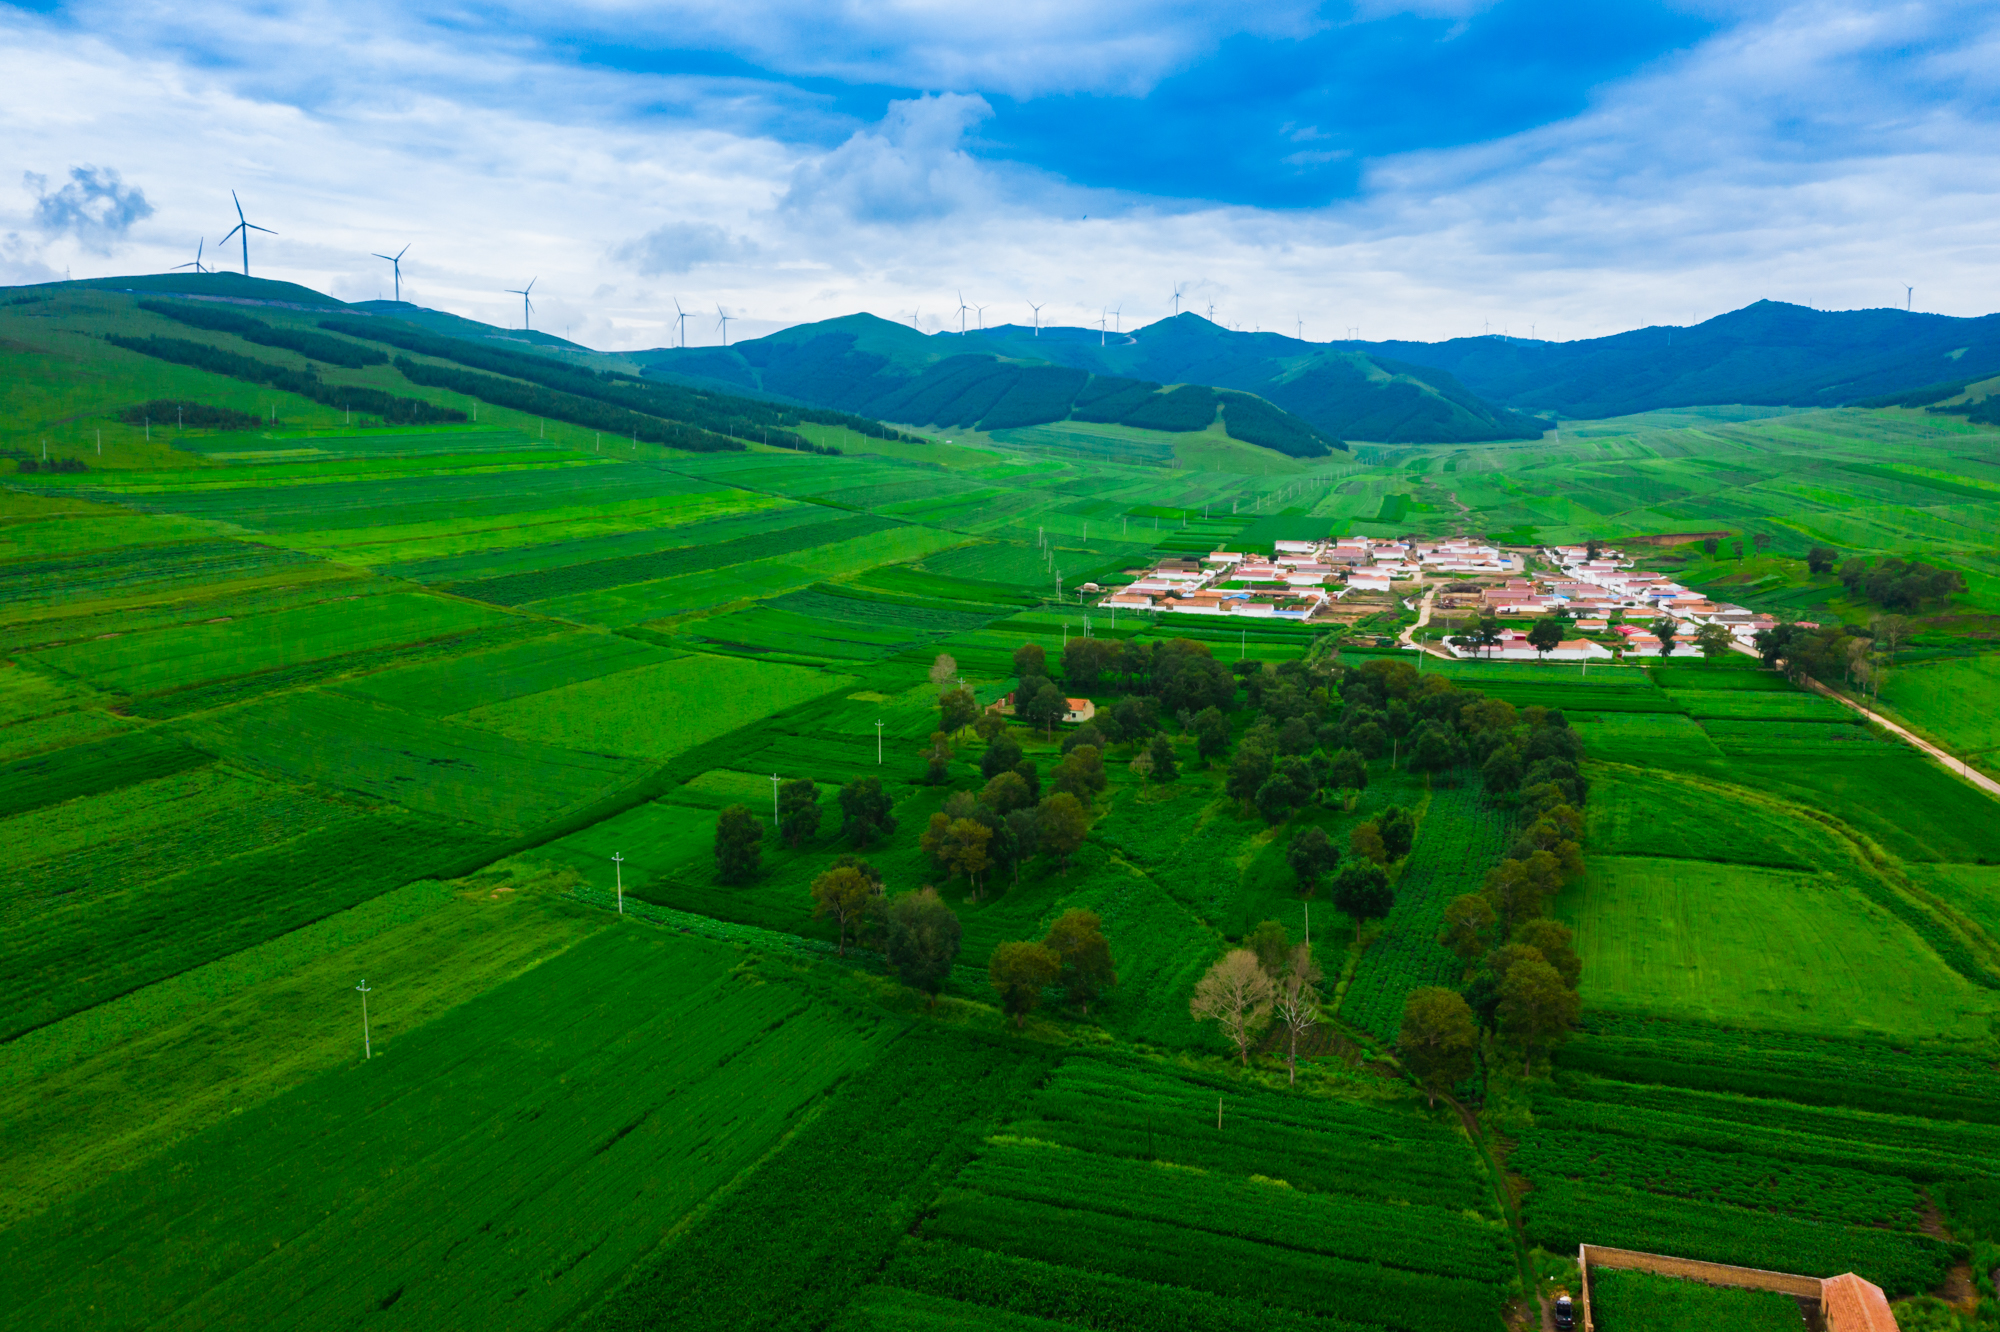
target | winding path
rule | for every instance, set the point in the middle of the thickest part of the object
(1943, 756)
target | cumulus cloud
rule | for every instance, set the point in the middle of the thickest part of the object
(912, 166)
(96, 207)
(677, 247)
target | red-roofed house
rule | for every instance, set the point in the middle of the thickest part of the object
(1850, 1304)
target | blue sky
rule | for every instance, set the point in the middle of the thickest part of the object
(1408, 170)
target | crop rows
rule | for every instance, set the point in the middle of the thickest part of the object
(1266, 1211)
(1920, 1149)
(67, 958)
(90, 769)
(1759, 705)
(1001, 1284)
(829, 1208)
(1827, 1192)
(596, 575)
(125, 569)
(1221, 1264)
(1456, 844)
(1559, 1215)
(1859, 1075)
(511, 1158)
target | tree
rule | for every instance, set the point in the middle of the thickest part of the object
(1486, 634)
(1283, 792)
(1438, 1039)
(937, 760)
(957, 709)
(1084, 660)
(1553, 940)
(943, 670)
(1077, 939)
(1006, 793)
(1086, 734)
(1134, 718)
(1365, 841)
(990, 725)
(1295, 999)
(1890, 631)
(1514, 894)
(1019, 971)
(1664, 629)
(1468, 927)
(1235, 994)
(1044, 708)
(1348, 773)
(1142, 764)
(848, 895)
(1502, 770)
(1024, 829)
(798, 810)
(1271, 945)
(1002, 754)
(1820, 559)
(1248, 772)
(1399, 831)
(1061, 825)
(1536, 1008)
(1362, 891)
(1165, 766)
(1030, 662)
(966, 846)
(1545, 634)
(1311, 854)
(865, 811)
(1081, 774)
(1211, 733)
(739, 845)
(1713, 641)
(923, 938)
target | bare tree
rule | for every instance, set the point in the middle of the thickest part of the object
(1890, 631)
(1236, 996)
(944, 669)
(1295, 1000)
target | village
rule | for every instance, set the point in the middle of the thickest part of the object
(1605, 606)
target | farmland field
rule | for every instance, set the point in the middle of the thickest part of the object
(487, 714)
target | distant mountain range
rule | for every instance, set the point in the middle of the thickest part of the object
(1013, 376)
(1297, 397)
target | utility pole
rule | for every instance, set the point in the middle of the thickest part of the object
(367, 1044)
(618, 860)
(774, 799)
(878, 744)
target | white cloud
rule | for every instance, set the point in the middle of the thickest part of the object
(912, 166)
(678, 247)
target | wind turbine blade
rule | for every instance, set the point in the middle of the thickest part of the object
(254, 227)
(531, 285)
(405, 250)
(239, 205)
(232, 231)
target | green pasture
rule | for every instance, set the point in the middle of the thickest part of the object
(1641, 1302)
(1743, 944)
(1955, 702)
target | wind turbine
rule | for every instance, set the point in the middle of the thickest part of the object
(245, 227)
(197, 265)
(1302, 327)
(680, 317)
(915, 316)
(1177, 297)
(1102, 319)
(1211, 312)
(1117, 327)
(722, 322)
(1908, 292)
(1038, 316)
(527, 306)
(962, 308)
(397, 260)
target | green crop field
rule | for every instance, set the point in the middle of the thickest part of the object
(466, 709)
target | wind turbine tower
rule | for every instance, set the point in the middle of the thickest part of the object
(1102, 318)
(527, 306)
(980, 310)
(962, 308)
(1116, 315)
(681, 318)
(197, 265)
(244, 228)
(722, 322)
(1908, 292)
(397, 260)
(1177, 296)
(1038, 316)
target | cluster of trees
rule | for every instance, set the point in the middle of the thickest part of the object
(1269, 977)
(52, 465)
(1522, 971)
(1073, 955)
(1834, 651)
(305, 383)
(866, 816)
(1899, 585)
(313, 346)
(537, 400)
(197, 414)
